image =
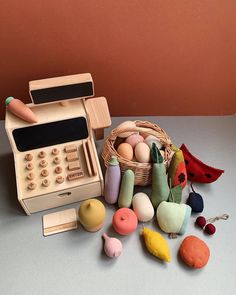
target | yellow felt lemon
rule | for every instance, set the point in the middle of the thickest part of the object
(156, 244)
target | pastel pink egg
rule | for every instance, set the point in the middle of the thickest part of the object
(134, 139)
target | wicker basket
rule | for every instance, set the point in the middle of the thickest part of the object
(142, 171)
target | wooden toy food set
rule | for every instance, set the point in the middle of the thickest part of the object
(56, 161)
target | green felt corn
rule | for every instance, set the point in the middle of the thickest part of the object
(160, 188)
(126, 189)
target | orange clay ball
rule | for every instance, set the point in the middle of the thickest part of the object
(194, 252)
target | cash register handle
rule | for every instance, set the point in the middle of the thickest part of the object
(99, 115)
(21, 110)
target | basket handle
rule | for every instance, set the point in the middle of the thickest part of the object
(165, 140)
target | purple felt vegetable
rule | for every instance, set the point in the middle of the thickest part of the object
(112, 181)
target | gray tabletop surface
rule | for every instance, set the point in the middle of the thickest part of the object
(74, 263)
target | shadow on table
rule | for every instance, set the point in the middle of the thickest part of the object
(8, 185)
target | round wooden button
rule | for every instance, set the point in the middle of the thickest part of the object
(43, 163)
(55, 151)
(28, 157)
(58, 169)
(30, 176)
(57, 160)
(29, 166)
(44, 172)
(60, 179)
(32, 186)
(45, 182)
(42, 154)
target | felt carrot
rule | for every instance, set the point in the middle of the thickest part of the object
(21, 110)
(160, 188)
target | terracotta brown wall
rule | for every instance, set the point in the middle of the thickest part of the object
(159, 57)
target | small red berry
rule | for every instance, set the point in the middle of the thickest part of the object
(201, 221)
(210, 229)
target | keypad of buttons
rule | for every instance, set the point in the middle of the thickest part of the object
(45, 167)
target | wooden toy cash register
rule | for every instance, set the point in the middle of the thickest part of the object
(56, 161)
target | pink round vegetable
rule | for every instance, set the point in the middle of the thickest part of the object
(112, 247)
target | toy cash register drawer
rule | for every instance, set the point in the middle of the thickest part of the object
(56, 161)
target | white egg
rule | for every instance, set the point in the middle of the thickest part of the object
(142, 152)
(150, 139)
(142, 207)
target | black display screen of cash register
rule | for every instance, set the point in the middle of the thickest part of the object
(49, 134)
(64, 92)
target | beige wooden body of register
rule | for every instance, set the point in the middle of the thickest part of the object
(56, 161)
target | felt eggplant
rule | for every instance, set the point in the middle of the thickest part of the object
(177, 169)
(126, 189)
(112, 181)
(160, 188)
